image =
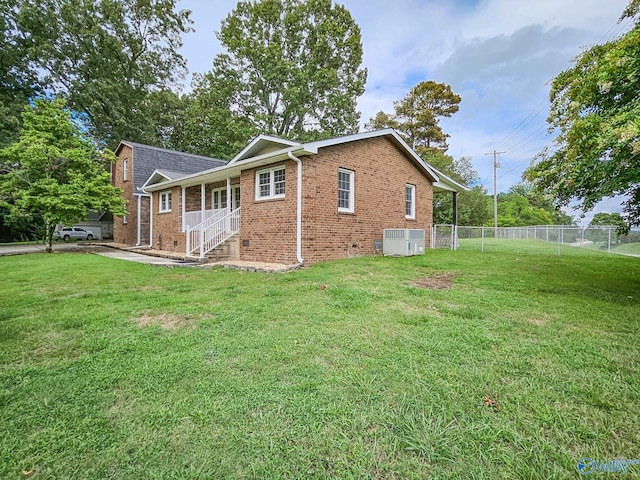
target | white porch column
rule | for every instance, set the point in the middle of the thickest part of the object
(202, 202)
(138, 219)
(151, 221)
(184, 207)
(228, 194)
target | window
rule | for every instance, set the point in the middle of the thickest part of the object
(410, 201)
(165, 202)
(125, 169)
(270, 183)
(219, 198)
(345, 190)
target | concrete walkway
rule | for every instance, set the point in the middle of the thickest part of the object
(141, 255)
(97, 249)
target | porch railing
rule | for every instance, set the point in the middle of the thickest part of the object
(199, 216)
(207, 235)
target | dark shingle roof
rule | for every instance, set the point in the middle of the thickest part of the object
(146, 159)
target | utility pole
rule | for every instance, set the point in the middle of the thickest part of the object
(496, 165)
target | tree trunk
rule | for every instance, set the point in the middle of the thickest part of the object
(48, 236)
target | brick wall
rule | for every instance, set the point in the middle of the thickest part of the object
(125, 233)
(167, 234)
(268, 227)
(381, 173)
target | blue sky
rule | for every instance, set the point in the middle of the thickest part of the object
(499, 55)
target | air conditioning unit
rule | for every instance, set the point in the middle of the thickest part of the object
(403, 241)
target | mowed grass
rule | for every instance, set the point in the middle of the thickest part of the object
(632, 248)
(347, 369)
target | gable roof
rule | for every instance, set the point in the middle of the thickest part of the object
(148, 159)
(260, 144)
(441, 182)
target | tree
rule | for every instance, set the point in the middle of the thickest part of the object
(291, 67)
(610, 219)
(17, 82)
(104, 56)
(210, 127)
(541, 200)
(514, 210)
(418, 114)
(55, 171)
(473, 206)
(595, 107)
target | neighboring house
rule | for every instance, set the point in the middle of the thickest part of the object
(100, 223)
(286, 202)
(136, 162)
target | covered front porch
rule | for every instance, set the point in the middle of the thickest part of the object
(215, 221)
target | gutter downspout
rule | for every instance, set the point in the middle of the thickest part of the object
(298, 210)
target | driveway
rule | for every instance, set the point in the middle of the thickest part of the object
(103, 251)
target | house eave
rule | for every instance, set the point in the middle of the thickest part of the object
(232, 170)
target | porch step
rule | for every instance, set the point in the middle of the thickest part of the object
(225, 251)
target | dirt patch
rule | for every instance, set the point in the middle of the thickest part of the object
(166, 321)
(437, 281)
(537, 321)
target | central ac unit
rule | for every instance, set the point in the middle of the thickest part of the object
(403, 241)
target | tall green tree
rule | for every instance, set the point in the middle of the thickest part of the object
(291, 68)
(595, 108)
(210, 127)
(104, 56)
(473, 206)
(55, 171)
(417, 116)
(17, 81)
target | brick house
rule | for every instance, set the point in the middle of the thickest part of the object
(136, 162)
(282, 201)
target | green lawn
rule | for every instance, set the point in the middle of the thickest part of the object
(348, 369)
(633, 248)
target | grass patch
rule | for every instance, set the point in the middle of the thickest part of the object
(525, 363)
(632, 248)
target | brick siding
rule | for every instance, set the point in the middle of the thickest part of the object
(381, 172)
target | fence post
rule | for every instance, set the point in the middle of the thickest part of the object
(609, 243)
(582, 238)
(482, 242)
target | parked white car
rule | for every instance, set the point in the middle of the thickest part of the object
(78, 233)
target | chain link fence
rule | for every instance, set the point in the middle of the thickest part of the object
(601, 238)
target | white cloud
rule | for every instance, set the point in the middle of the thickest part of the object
(497, 54)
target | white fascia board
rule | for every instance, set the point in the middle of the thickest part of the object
(229, 170)
(155, 173)
(258, 139)
(448, 183)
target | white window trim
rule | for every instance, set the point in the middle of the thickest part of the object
(161, 203)
(351, 174)
(219, 190)
(272, 187)
(412, 215)
(125, 171)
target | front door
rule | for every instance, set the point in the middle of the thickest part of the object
(235, 197)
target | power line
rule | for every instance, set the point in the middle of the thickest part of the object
(528, 119)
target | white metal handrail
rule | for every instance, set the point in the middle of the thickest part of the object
(199, 216)
(207, 235)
